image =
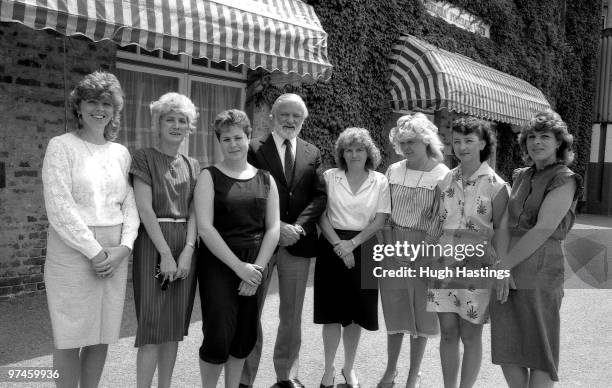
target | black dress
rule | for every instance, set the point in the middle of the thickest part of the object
(229, 321)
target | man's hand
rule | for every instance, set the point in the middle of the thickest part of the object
(289, 235)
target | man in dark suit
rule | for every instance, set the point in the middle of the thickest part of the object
(296, 166)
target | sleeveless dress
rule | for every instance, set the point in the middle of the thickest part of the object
(229, 321)
(163, 316)
(525, 329)
(414, 197)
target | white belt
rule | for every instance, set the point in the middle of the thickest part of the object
(172, 220)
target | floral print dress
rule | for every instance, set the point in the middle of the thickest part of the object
(466, 214)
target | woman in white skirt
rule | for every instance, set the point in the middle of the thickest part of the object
(93, 223)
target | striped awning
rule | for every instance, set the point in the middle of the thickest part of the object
(283, 35)
(424, 76)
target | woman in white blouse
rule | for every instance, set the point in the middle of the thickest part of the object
(93, 223)
(357, 205)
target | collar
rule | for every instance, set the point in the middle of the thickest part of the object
(343, 181)
(279, 141)
(483, 170)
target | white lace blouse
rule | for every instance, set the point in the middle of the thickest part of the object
(86, 184)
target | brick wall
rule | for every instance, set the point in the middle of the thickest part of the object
(32, 110)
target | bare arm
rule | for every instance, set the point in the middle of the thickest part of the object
(555, 206)
(345, 248)
(186, 256)
(144, 204)
(204, 197)
(271, 236)
(328, 230)
(270, 240)
(499, 206)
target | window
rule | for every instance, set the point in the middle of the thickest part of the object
(146, 75)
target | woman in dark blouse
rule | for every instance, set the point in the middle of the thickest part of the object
(163, 270)
(239, 222)
(541, 211)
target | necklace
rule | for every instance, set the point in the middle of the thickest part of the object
(103, 166)
(422, 169)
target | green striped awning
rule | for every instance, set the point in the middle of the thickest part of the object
(424, 76)
(283, 35)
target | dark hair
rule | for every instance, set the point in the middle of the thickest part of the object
(96, 86)
(359, 136)
(481, 128)
(232, 117)
(544, 121)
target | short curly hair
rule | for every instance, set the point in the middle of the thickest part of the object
(481, 128)
(173, 103)
(548, 120)
(359, 136)
(96, 86)
(417, 126)
(232, 117)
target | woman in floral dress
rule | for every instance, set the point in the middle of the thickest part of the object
(473, 202)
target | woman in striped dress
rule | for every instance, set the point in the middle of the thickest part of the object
(413, 183)
(164, 272)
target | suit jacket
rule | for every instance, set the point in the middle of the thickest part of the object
(304, 201)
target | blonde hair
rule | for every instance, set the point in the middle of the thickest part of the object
(417, 126)
(173, 102)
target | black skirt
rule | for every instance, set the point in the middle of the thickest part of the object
(343, 295)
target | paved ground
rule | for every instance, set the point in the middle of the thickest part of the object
(586, 332)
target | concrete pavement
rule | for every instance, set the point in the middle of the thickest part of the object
(586, 332)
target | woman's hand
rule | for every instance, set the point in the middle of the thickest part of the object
(183, 267)
(503, 287)
(101, 265)
(349, 260)
(116, 255)
(343, 248)
(250, 273)
(167, 267)
(245, 289)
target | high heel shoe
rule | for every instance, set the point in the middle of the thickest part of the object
(356, 385)
(327, 386)
(391, 384)
(332, 384)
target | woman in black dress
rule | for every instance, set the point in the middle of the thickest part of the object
(164, 180)
(238, 219)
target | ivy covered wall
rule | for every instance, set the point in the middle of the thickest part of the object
(551, 44)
